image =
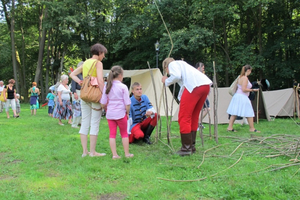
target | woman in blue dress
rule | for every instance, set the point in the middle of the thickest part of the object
(240, 104)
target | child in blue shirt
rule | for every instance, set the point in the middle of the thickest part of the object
(50, 97)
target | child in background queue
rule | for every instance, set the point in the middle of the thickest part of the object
(116, 99)
(50, 97)
(18, 107)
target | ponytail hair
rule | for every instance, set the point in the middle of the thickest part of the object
(244, 69)
(114, 73)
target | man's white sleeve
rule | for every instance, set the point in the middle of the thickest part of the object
(153, 112)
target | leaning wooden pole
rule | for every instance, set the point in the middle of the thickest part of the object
(215, 104)
(164, 73)
(155, 95)
(172, 105)
(167, 115)
(200, 128)
(297, 101)
(209, 121)
(257, 107)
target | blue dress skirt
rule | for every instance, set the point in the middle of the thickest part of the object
(33, 102)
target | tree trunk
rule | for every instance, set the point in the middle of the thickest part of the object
(226, 52)
(42, 86)
(215, 48)
(61, 63)
(6, 14)
(13, 49)
(260, 46)
(48, 62)
(42, 38)
(22, 75)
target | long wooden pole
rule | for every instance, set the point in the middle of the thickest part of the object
(297, 100)
(215, 104)
(257, 107)
(155, 95)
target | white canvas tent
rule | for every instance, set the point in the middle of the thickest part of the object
(224, 99)
(143, 76)
(280, 102)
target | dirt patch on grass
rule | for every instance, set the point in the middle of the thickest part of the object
(6, 177)
(15, 161)
(112, 196)
(2, 155)
(53, 174)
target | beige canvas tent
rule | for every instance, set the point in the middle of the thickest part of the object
(224, 99)
(143, 76)
(280, 102)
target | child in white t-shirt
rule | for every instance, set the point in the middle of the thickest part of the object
(18, 107)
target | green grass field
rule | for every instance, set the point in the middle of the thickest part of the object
(41, 160)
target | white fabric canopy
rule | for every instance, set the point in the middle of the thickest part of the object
(143, 76)
(280, 102)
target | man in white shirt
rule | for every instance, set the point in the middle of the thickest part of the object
(195, 87)
(1, 90)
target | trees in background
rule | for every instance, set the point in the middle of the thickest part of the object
(42, 39)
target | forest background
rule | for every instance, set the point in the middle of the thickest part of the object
(41, 39)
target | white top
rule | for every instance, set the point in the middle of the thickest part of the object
(1, 88)
(65, 93)
(186, 76)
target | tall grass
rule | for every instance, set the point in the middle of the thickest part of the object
(40, 159)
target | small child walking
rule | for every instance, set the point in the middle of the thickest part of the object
(18, 106)
(116, 99)
(50, 97)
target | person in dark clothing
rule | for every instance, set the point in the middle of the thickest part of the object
(9, 93)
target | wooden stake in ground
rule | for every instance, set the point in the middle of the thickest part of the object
(215, 103)
(209, 122)
(257, 107)
(200, 128)
(297, 100)
(157, 111)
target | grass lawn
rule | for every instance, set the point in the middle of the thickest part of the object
(41, 160)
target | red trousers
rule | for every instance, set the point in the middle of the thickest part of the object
(190, 107)
(113, 124)
(137, 132)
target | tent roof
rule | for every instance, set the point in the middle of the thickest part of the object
(280, 102)
(130, 73)
(143, 76)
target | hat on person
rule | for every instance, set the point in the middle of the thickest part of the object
(106, 75)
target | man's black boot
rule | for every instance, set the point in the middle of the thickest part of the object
(147, 134)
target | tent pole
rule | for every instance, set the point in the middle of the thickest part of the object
(215, 104)
(297, 100)
(257, 103)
